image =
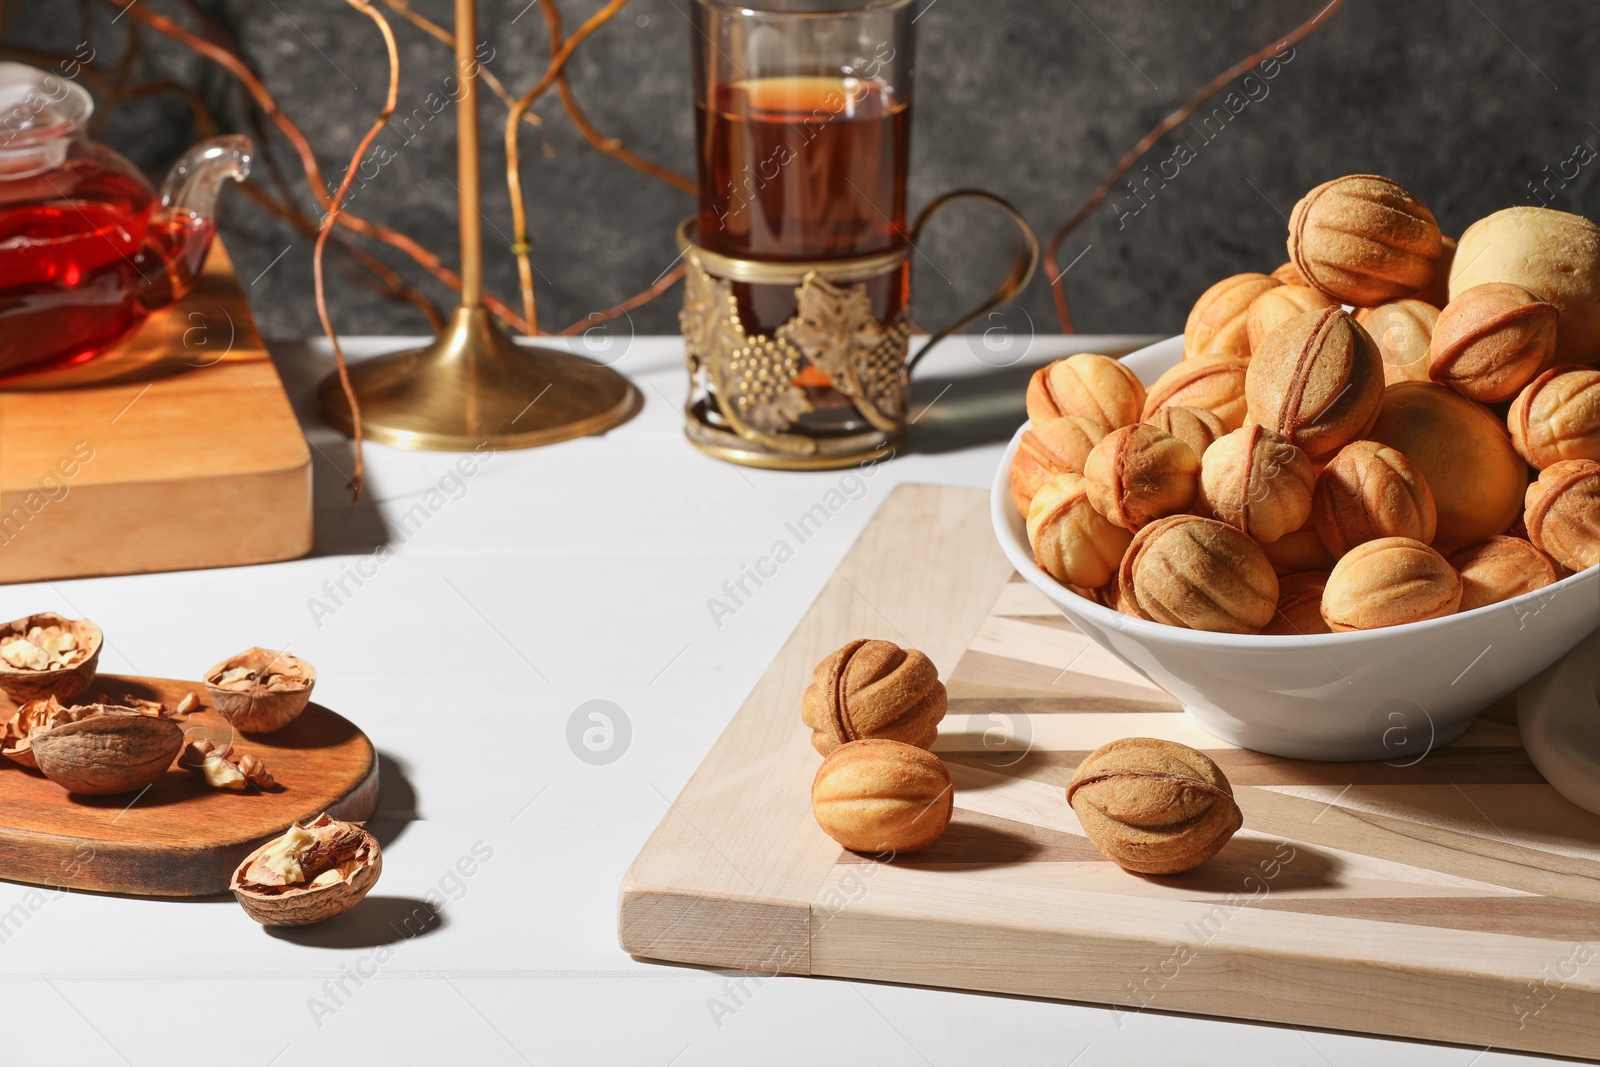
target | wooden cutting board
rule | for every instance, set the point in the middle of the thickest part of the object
(1454, 899)
(180, 837)
(178, 449)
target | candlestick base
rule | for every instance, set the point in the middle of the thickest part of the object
(474, 387)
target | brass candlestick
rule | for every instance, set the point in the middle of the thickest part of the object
(474, 386)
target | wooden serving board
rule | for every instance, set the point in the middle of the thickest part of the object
(180, 837)
(1454, 899)
(178, 449)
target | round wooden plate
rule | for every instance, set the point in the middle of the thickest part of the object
(180, 837)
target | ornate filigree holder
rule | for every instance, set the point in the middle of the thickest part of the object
(746, 403)
(750, 393)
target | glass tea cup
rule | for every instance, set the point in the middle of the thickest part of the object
(796, 315)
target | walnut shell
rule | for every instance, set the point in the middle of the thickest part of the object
(1299, 550)
(1499, 569)
(1152, 806)
(1193, 426)
(1364, 240)
(1300, 605)
(882, 796)
(1056, 446)
(1492, 340)
(1368, 491)
(1072, 542)
(1274, 307)
(109, 749)
(1213, 382)
(1465, 454)
(1201, 574)
(1317, 380)
(1289, 274)
(1389, 582)
(342, 847)
(1217, 322)
(1094, 387)
(32, 718)
(1563, 513)
(1553, 253)
(258, 708)
(1402, 330)
(1258, 483)
(873, 688)
(1557, 417)
(1140, 473)
(65, 683)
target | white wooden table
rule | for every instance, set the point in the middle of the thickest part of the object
(505, 600)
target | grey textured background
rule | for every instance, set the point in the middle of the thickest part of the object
(1465, 101)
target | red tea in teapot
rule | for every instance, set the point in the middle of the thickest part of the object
(82, 265)
(88, 248)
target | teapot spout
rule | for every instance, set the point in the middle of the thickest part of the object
(195, 180)
(182, 227)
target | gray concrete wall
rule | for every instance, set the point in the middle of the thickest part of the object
(1467, 102)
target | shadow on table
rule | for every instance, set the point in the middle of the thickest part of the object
(949, 412)
(342, 528)
(974, 843)
(397, 802)
(1248, 868)
(376, 921)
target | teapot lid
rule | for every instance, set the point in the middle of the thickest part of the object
(39, 114)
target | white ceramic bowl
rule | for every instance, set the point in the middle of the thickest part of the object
(1391, 694)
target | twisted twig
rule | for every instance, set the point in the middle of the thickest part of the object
(519, 217)
(214, 46)
(610, 146)
(389, 284)
(661, 285)
(448, 39)
(607, 145)
(308, 160)
(1148, 141)
(358, 476)
(114, 91)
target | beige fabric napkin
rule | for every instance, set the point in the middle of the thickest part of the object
(1559, 713)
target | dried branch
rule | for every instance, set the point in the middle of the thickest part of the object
(448, 39)
(1148, 141)
(607, 145)
(610, 146)
(215, 45)
(308, 160)
(205, 125)
(205, 18)
(358, 476)
(119, 78)
(390, 284)
(661, 285)
(519, 217)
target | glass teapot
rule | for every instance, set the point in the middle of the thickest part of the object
(87, 247)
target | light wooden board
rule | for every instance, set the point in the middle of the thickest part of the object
(180, 837)
(1455, 899)
(178, 449)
